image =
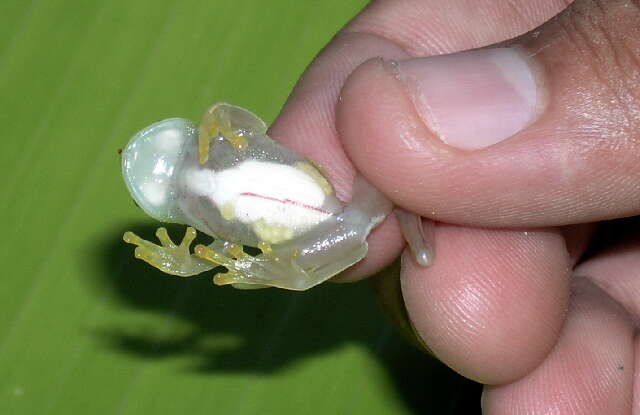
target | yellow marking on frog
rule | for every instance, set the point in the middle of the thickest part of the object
(236, 251)
(233, 275)
(215, 123)
(204, 141)
(313, 170)
(271, 233)
(209, 254)
(238, 141)
(228, 211)
(265, 247)
(225, 279)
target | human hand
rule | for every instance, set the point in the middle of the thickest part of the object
(517, 151)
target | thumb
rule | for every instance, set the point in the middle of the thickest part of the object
(541, 131)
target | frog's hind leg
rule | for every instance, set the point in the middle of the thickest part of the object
(234, 259)
(244, 271)
(169, 257)
(269, 269)
(231, 122)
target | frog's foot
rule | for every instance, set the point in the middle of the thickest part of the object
(233, 258)
(169, 257)
(265, 270)
(233, 123)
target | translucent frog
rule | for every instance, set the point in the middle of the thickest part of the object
(231, 181)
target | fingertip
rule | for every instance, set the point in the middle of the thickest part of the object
(492, 304)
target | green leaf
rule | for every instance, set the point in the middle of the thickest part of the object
(85, 328)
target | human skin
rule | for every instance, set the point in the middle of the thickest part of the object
(519, 152)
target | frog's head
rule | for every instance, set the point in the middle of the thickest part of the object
(149, 163)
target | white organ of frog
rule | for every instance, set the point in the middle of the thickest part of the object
(229, 180)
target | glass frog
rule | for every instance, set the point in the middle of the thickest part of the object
(231, 181)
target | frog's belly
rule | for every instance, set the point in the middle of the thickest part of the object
(277, 194)
(277, 201)
(252, 207)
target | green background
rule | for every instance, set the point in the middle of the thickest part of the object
(84, 328)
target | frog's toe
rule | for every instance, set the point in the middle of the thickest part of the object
(212, 255)
(131, 238)
(164, 238)
(147, 255)
(189, 235)
(265, 270)
(230, 277)
(147, 250)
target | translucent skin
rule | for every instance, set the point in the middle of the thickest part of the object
(163, 167)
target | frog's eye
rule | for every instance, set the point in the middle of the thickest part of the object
(149, 162)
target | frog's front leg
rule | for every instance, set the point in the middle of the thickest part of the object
(233, 123)
(169, 257)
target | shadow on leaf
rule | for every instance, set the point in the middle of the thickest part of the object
(261, 331)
